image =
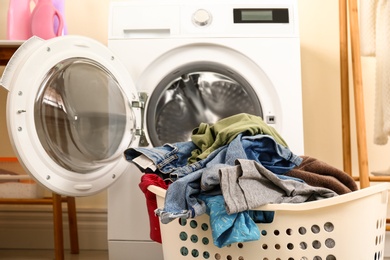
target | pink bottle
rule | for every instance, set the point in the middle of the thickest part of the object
(43, 19)
(18, 20)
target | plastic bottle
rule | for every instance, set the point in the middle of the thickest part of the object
(42, 20)
(18, 20)
(60, 6)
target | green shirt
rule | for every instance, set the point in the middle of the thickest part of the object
(210, 137)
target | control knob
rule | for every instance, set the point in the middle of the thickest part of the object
(201, 17)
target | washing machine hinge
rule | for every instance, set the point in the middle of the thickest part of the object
(138, 104)
(141, 105)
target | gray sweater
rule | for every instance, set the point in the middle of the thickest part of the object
(248, 185)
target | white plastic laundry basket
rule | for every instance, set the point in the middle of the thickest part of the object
(346, 227)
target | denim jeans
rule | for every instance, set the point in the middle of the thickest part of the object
(182, 195)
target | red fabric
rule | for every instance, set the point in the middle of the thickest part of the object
(151, 203)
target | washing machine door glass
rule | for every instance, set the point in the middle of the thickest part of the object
(197, 93)
(80, 115)
(69, 113)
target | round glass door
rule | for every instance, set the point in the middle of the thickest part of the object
(70, 114)
(81, 115)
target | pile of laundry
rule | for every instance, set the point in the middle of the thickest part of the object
(227, 170)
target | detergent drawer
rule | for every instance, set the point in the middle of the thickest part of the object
(145, 22)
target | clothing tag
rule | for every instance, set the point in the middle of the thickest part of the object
(144, 162)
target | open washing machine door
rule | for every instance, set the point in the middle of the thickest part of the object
(70, 113)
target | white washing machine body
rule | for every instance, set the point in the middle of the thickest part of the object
(256, 43)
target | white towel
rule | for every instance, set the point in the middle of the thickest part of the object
(367, 26)
(375, 41)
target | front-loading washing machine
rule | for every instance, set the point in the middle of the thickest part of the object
(199, 61)
(75, 105)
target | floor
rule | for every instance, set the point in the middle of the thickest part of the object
(49, 255)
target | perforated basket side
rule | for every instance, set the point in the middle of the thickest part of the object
(350, 226)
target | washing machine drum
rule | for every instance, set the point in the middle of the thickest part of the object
(72, 110)
(197, 93)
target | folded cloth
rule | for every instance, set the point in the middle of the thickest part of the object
(319, 174)
(151, 203)
(7, 173)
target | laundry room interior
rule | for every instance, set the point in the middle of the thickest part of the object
(30, 226)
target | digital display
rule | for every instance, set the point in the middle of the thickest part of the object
(256, 15)
(260, 15)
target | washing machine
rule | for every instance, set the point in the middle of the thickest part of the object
(75, 105)
(195, 61)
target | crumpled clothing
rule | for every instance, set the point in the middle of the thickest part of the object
(260, 148)
(208, 138)
(182, 196)
(320, 174)
(181, 199)
(249, 185)
(151, 203)
(167, 158)
(233, 228)
(229, 228)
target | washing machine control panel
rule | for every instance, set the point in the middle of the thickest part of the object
(139, 19)
(202, 17)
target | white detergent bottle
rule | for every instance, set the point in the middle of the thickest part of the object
(43, 19)
(18, 20)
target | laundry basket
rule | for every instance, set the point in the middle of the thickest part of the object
(346, 227)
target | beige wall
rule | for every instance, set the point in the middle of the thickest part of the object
(321, 89)
(320, 74)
